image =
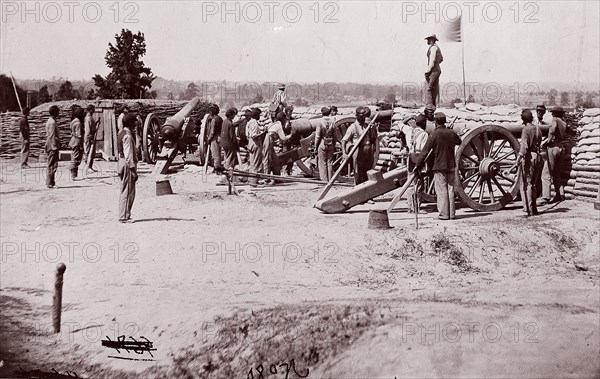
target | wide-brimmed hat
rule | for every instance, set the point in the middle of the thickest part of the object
(281, 86)
(407, 118)
(432, 36)
(557, 109)
(541, 107)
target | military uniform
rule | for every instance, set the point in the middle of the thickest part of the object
(325, 137)
(529, 153)
(552, 163)
(229, 144)
(25, 142)
(364, 157)
(52, 146)
(127, 171)
(76, 145)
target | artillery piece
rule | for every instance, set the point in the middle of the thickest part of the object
(482, 183)
(162, 143)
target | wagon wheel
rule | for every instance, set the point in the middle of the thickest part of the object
(202, 142)
(482, 161)
(151, 142)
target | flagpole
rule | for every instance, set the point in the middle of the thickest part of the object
(463, 62)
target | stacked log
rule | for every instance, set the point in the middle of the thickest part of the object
(10, 145)
(584, 181)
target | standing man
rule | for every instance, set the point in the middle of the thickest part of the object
(416, 137)
(279, 102)
(442, 142)
(90, 127)
(325, 144)
(76, 142)
(229, 141)
(432, 75)
(334, 110)
(364, 157)
(52, 146)
(271, 163)
(541, 111)
(256, 137)
(553, 144)
(127, 167)
(124, 111)
(214, 134)
(530, 159)
(241, 125)
(24, 136)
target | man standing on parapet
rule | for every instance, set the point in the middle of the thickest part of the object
(279, 102)
(23, 124)
(127, 168)
(52, 146)
(364, 157)
(442, 143)
(553, 144)
(432, 75)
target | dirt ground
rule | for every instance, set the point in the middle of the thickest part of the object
(264, 285)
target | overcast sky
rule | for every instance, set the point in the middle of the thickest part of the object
(344, 41)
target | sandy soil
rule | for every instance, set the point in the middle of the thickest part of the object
(225, 286)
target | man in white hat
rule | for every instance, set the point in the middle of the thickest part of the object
(432, 75)
(279, 102)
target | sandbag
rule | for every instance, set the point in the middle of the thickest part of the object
(592, 112)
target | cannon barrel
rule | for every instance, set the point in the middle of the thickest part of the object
(171, 130)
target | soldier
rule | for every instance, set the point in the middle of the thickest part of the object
(255, 144)
(430, 120)
(364, 157)
(214, 134)
(52, 146)
(279, 102)
(24, 135)
(432, 75)
(416, 137)
(76, 142)
(530, 161)
(553, 145)
(89, 137)
(275, 132)
(334, 110)
(229, 141)
(541, 111)
(127, 169)
(325, 144)
(442, 142)
(124, 111)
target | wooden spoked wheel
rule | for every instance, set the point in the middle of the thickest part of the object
(151, 142)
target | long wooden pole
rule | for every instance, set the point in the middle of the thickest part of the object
(463, 66)
(16, 93)
(352, 151)
(281, 178)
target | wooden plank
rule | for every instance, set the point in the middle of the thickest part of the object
(365, 191)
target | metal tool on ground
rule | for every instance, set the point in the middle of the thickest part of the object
(348, 157)
(286, 179)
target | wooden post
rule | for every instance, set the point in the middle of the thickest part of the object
(57, 299)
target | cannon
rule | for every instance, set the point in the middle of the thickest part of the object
(161, 143)
(303, 136)
(481, 183)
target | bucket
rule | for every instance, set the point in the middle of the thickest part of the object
(163, 187)
(378, 219)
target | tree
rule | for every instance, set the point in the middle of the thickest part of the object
(43, 95)
(579, 99)
(589, 101)
(65, 91)
(190, 92)
(564, 99)
(8, 100)
(91, 94)
(130, 78)
(390, 98)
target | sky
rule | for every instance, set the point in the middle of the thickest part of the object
(308, 41)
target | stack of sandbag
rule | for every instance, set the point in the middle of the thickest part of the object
(584, 180)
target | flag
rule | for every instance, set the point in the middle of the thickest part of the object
(453, 30)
